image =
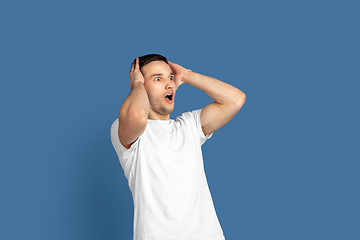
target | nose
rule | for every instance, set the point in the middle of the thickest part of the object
(170, 84)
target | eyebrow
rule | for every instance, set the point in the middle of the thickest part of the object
(159, 74)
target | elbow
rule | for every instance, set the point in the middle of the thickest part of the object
(239, 99)
(138, 116)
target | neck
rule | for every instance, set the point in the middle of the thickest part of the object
(157, 116)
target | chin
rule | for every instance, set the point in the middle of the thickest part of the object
(166, 111)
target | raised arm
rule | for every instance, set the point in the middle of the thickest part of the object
(228, 99)
(135, 109)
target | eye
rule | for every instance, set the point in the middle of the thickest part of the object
(157, 79)
(171, 78)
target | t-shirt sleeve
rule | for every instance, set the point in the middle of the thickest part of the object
(125, 156)
(195, 115)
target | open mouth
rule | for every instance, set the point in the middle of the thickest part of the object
(169, 96)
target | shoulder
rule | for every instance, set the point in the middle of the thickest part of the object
(189, 116)
(114, 131)
(192, 120)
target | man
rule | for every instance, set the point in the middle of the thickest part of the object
(162, 158)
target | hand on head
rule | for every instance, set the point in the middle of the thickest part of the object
(178, 73)
(135, 74)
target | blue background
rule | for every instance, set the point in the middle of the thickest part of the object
(286, 167)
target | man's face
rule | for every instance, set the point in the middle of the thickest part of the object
(160, 87)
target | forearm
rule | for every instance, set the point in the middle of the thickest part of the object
(219, 91)
(136, 106)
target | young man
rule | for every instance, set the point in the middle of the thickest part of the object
(162, 158)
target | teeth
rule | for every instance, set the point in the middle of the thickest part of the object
(169, 96)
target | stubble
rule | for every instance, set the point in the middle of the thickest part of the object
(156, 106)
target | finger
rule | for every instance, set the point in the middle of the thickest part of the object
(133, 66)
(137, 64)
(172, 65)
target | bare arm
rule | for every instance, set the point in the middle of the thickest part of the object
(135, 109)
(228, 100)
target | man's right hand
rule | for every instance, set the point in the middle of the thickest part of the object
(135, 74)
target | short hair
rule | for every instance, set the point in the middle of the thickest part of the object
(146, 59)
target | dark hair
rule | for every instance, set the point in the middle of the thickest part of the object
(143, 60)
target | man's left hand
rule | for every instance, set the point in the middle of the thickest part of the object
(178, 73)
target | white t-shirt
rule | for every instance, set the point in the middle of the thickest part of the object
(166, 176)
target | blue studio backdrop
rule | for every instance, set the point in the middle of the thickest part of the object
(285, 167)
